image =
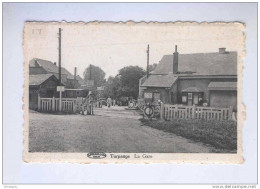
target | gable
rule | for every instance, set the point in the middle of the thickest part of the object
(35, 80)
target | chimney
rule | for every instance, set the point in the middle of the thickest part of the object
(75, 73)
(222, 50)
(54, 63)
(175, 61)
(36, 63)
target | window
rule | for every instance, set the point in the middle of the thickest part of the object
(148, 95)
(184, 99)
(189, 96)
(156, 97)
(30, 97)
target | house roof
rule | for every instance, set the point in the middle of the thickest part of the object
(49, 67)
(231, 86)
(200, 64)
(160, 80)
(80, 80)
(39, 79)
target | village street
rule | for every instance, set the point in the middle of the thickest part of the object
(108, 130)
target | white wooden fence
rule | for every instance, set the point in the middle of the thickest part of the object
(52, 105)
(170, 112)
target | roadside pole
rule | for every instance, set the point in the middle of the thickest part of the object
(60, 102)
(60, 89)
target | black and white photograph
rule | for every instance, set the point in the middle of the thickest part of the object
(130, 93)
(108, 89)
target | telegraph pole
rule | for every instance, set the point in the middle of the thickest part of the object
(60, 56)
(60, 88)
(147, 70)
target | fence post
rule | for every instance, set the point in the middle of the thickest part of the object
(39, 102)
(230, 112)
(53, 104)
(162, 110)
(193, 111)
(74, 104)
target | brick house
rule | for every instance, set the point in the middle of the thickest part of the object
(193, 79)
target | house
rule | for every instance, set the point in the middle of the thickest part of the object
(42, 85)
(82, 82)
(44, 81)
(193, 79)
(40, 66)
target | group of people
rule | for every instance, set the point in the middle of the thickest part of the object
(110, 102)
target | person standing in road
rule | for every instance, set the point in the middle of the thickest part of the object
(109, 102)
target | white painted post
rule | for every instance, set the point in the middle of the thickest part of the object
(53, 104)
(60, 102)
(193, 111)
(162, 110)
(74, 104)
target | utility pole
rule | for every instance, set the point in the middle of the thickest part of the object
(147, 70)
(60, 56)
(60, 88)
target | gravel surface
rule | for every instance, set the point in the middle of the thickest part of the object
(109, 130)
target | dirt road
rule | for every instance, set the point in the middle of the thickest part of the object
(109, 130)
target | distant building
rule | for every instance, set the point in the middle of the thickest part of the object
(193, 79)
(82, 82)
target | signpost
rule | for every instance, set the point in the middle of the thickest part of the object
(60, 89)
(90, 83)
(100, 88)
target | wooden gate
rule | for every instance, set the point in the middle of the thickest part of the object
(52, 105)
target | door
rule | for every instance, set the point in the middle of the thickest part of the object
(196, 99)
(156, 97)
(189, 99)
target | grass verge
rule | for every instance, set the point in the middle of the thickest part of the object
(222, 135)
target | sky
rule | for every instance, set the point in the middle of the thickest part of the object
(113, 46)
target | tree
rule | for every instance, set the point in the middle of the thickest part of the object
(129, 81)
(95, 73)
(112, 87)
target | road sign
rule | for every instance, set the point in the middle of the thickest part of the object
(148, 111)
(100, 88)
(60, 88)
(90, 83)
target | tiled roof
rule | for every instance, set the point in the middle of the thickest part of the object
(49, 67)
(201, 64)
(223, 86)
(39, 79)
(160, 80)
